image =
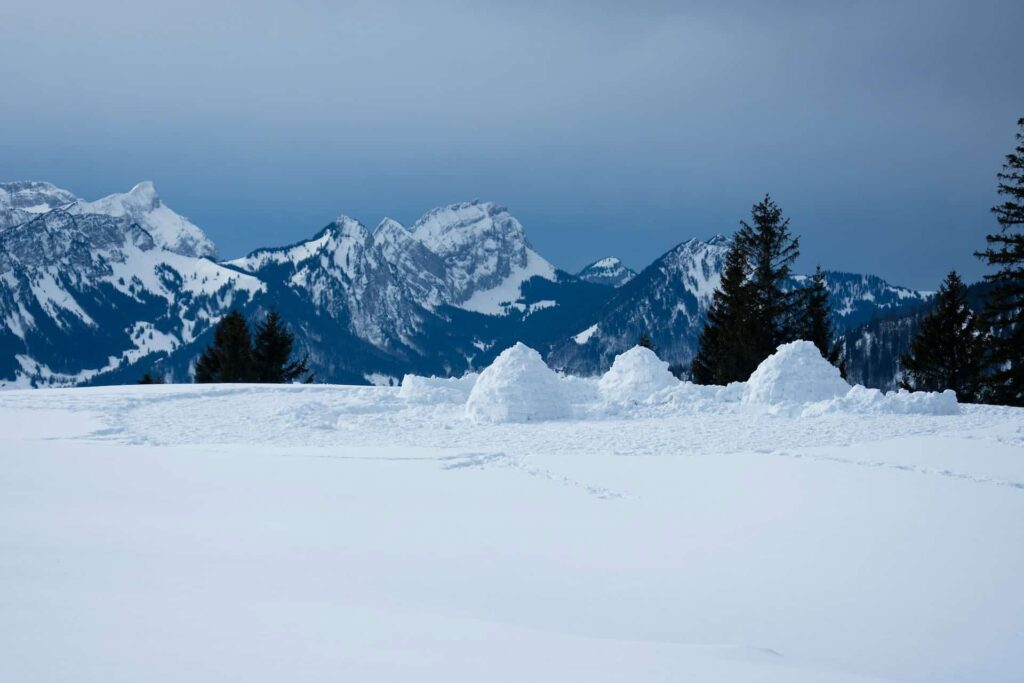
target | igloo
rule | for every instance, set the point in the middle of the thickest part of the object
(518, 387)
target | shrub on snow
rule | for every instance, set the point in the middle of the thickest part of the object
(795, 373)
(635, 376)
(518, 387)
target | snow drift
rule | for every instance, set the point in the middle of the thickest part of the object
(518, 387)
(428, 390)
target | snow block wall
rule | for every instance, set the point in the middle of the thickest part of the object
(432, 390)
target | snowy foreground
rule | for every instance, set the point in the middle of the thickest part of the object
(516, 526)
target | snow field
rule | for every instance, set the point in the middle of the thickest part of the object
(324, 533)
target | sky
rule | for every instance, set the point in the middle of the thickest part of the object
(607, 128)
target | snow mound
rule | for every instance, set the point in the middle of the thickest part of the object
(872, 401)
(635, 376)
(795, 373)
(518, 387)
(434, 390)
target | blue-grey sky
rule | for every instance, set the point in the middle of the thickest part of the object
(608, 128)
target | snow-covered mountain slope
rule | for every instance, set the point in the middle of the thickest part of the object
(855, 298)
(668, 302)
(607, 271)
(83, 294)
(22, 201)
(378, 286)
(142, 206)
(485, 252)
(443, 297)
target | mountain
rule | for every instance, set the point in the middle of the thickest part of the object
(100, 292)
(873, 348)
(668, 302)
(22, 201)
(84, 295)
(607, 271)
(142, 206)
(442, 297)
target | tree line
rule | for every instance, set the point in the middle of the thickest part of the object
(979, 356)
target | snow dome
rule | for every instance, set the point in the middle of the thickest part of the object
(517, 387)
(795, 373)
(635, 376)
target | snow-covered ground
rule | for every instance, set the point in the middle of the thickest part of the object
(654, 532)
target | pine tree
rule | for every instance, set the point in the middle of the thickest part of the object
(272, 353)
(1004, 314)
(645, 341)
(151, 379)
(770, 251)
(948, 351)
(816, 324)
(725, 353)
(229, 358)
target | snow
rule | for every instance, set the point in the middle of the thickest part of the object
(497, 300)
(636, 376)
(862, 400)
(143, 206)
(379, 379)
(324, 533)
(584, 336)
(795, 373)
(434, 390)
(517, 387)
(36, 208)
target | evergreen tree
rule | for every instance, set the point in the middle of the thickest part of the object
(229, 358)
(725, 353)
(272, 353)
(151, 379)
(1004, 314)
(770, 251)
(816, 325)
(645, 341)
(947, 352)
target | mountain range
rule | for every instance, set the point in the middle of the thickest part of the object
(100, 292)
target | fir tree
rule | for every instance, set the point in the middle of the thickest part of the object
(1004, 314)
(272, 353)
(725, 353)
(229, 358)
(151, 379)
(770, 251)
(816, 325)
(645, 341)
(947, 352)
